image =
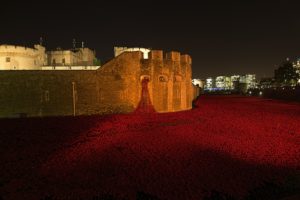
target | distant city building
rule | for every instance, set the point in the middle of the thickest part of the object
(119, 50)
(234, 82)
(209, 84)
(235, 79)
(223, 82)
(296, 65)
(249, 80)
(198, 82)
(37, 58)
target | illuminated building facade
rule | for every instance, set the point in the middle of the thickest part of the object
(233, 82)
(71, 57)
(249, 80)
(223, 83)
(209, 83)
(296, 65)
(22, 58)
(37, 58)
(198, 82)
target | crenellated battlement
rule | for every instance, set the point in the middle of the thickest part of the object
(18, 49)
(169, 56)
(173, 56)
(156, 55)
(13, 57)
(186, 59)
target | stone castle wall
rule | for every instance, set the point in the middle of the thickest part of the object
(88, 56)
(113, 88)
(170, 84)
(19, 58)
(23, 58)
(62, 57)
(80, 56)
(120, 50)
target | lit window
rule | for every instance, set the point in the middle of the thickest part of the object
(7, 59)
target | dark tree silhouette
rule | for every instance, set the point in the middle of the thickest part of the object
(286, 74)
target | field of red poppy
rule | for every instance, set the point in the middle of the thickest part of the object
(227, 147)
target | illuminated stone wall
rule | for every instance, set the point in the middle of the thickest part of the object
(80, 56)
(119, 50)
(21, 58)
(113, 88)
(62, 57)
(170, 83)
(88, 56)
(24, 58)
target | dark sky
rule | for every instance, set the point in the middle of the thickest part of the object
(232, 37)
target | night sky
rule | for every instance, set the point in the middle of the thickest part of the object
(233, 37)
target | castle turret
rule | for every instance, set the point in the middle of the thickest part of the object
(21, 58)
